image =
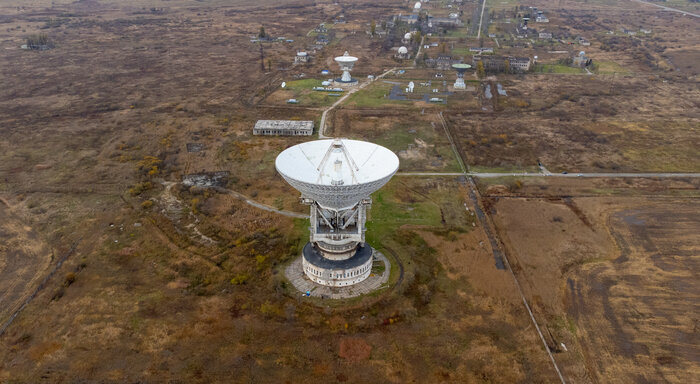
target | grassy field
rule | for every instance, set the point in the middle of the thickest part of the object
(420, 143)
(302, 91)
(609, 67)
(389, 212)
(374, 95)
(557, 68)
(170, 283)
(458, 32)
(461, 51)
(501, 4)
(303, 84)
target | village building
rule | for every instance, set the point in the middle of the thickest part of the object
(445, 21)
(581, 60)
(408, 19)
(443, 62)
(541, 18)
(322, 40)
(301, 58)
(479, 50)
(321, 28)
(498, 63)
(283, 128)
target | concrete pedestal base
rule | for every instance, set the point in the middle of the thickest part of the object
(295, 274)
(337, 273)
(345, 84)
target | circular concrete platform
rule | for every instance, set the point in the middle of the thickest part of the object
(295, 274)
(342, 84)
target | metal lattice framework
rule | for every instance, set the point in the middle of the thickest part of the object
(337, 197)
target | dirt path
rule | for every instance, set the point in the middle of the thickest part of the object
(24, 262)
(268, 208)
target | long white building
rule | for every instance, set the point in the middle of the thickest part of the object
(283, 128)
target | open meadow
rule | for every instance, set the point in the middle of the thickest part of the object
(144, 229)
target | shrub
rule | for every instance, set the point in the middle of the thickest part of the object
(140, 188)
(70, 279)
(147, 204)
(260, 261)
(39, 42)
(240, 279)
(58, 294)
(269, 309)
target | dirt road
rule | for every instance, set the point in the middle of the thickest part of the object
(24, 261)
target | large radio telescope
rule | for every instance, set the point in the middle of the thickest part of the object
(461, 69)
(335, 178)
(346, 63)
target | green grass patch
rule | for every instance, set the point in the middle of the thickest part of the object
(303, 84)
(457, 32)
(301, 231)
(374, 95)
(557, 68)
(501, 4)
(302, 91)
(604, 67)
(390, 211)
(461, 51)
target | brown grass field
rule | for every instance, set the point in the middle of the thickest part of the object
(168, 283)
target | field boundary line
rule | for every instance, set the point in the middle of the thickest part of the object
(490, 230)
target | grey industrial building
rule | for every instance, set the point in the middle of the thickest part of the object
(283, 128)
(498, 63)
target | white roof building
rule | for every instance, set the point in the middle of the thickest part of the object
(283, 128)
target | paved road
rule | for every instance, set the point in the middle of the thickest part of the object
(535, 174)
(420, 48)
(481, 19)
(668, 8)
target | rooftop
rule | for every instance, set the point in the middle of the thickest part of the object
(284, 124)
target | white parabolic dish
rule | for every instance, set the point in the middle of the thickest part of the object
(337, 173)
(346, 59)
